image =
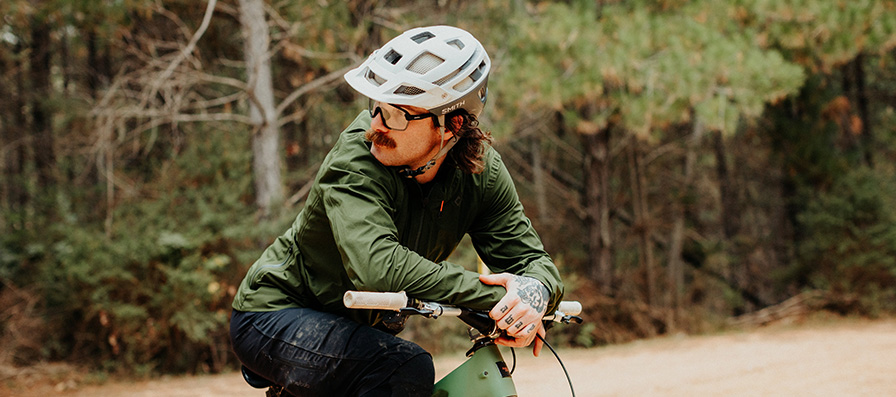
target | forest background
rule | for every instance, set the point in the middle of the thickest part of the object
(685, 162)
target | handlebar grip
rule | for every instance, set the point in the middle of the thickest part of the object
(375, 300)
(572, 308)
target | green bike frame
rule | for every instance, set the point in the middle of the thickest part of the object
(484, 374)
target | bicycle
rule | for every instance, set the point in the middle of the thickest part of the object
(484, 373)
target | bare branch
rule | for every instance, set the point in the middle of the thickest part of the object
(161, 117)
(229, 81)
(206, 20)
(311, 86)
(294, 117)
(294, 51)
(213, 103)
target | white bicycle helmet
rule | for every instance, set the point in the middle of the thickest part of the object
(438, 68)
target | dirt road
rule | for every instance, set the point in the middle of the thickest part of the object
(841, 358)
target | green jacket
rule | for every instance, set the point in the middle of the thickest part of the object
(366, 228)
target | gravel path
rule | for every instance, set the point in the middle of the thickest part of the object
(840, 358)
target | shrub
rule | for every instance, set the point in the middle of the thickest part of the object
(849, 240)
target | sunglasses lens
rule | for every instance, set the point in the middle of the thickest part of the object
(393, 118)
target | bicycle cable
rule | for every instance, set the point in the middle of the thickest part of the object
(568, 379)
(513, 354)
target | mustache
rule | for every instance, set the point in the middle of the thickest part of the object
(379, 139)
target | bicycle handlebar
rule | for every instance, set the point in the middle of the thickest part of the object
(484, 332)
(375, 300)
(396, 301)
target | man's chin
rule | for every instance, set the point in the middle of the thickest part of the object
(380, 153)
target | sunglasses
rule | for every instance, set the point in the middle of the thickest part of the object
(394, 118)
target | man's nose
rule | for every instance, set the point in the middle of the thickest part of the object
(377, 123)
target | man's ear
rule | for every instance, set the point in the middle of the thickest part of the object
(446, 134)
(455, 123)
(451, 126)
(446, 129)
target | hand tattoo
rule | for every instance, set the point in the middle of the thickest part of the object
(533, 293)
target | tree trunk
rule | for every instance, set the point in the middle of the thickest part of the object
(5, 144)
(642, 223)
(597, 153)
(854, 88)
(728, 215)
(18, 157)
(676, 262)
(98, 71)
(867, 135)
(41, 127)
(262, 112)
(93, 73)
(538, 181)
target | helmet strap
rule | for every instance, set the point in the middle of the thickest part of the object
(444, 147)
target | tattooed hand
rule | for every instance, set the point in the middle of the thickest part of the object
(521, 310)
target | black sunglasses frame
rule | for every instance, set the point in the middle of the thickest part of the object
(375, 108)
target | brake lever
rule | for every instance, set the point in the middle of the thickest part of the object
(407, 311)
(566, 319)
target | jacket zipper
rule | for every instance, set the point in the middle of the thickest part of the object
(423, 212)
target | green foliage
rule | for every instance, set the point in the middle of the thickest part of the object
(822, 34)
(155, 294)
(650, 67)
(139, 279)
(849, 243)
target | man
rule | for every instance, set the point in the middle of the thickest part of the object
(404, 183)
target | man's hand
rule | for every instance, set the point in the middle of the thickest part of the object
(520, 312)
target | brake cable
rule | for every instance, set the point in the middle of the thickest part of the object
(568, 379)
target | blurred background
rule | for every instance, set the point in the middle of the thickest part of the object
(690, 164)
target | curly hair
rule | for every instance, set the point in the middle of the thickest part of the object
(472, 142)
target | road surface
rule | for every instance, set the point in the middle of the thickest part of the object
(834, 358)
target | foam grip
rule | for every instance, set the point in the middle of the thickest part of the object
(571, 308)
(375, 300)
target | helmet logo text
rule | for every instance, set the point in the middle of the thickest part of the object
(454, 107)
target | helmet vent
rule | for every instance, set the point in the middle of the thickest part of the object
(464, 84)
(423, 36)
(373, 78)
(408, 90)
(457, 43)
(392, 57)
(478, 72)
(445, 79)
(424, 63)
(469, 60)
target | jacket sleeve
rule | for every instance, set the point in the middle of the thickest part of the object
(360, 209)
(504, 236)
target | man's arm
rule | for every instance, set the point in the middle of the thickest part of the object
(504, 237)
(508, 243)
